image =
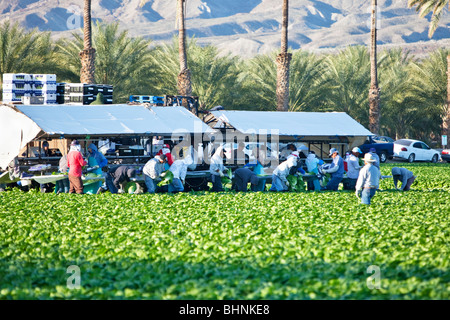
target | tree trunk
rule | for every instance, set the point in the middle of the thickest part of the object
(283, 61)
(87, 72)
(374, 91)
(446, 122)
(184, 77)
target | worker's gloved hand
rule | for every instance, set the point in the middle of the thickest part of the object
(182, 181)
(358, 193)
(221, 174)
(324, 170)
(120, 191)
(287, 183)
(95, 167)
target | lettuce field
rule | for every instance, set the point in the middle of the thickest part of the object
(230, 245)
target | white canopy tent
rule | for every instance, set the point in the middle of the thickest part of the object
(22, 123)
(301, 124)
(333, 128)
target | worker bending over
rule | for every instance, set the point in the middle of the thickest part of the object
(118, 176)
(405, 176)
(279, 177)
(152, 172)
(242, 177)
(179, 170)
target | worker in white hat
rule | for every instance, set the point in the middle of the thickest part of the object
(336, 169)
(368, 180)
(353, 169)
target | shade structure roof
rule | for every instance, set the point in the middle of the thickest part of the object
(113, 119)
(300, 124)
(22, 123)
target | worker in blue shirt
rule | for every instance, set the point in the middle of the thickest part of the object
(336, 170)
(368, 179)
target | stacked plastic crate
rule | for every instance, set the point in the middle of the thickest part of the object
(108, 91)
(44, 85)
(16, 86)
(155, 100)
(82, 93)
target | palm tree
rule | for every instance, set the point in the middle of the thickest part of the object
(347, 77)
(283, 60)
(136, 74)
(184, 77)
(25, 51)
(307, 89)
(215, 78)
(87, 55)
(424, 7)
(428, 81)
(374, 91)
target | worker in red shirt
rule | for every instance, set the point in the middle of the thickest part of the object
(75, 162)
(166, 151)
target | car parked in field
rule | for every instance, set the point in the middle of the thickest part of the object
(414, 150)
(445, 155)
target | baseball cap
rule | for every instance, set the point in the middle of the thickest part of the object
(372, 150)
(356, 149)
(333, 150)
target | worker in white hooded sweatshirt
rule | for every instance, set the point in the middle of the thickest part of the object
(279, 181)
(216, 168)
(179, 170)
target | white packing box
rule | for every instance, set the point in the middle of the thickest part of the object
(16, 78)
(44, 78)
(13, 86)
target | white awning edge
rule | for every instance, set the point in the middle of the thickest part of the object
(14, 135)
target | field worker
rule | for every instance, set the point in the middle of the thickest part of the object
(13, 170)
(46, 152)
(336, 169)
(242, 177)
(279, 181)
(97, 161)
(347, 155)
(216, 168)
(368, 180)
(166, 151)
(152, 172)
(287, 151)
(117, 176)
(405, 176)
(179, 170)
(96, 158)
(312, 165)
(63, 185)
(353, 169)
(374, 154)
(75, 162)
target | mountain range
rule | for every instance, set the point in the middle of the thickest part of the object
(242, 27)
